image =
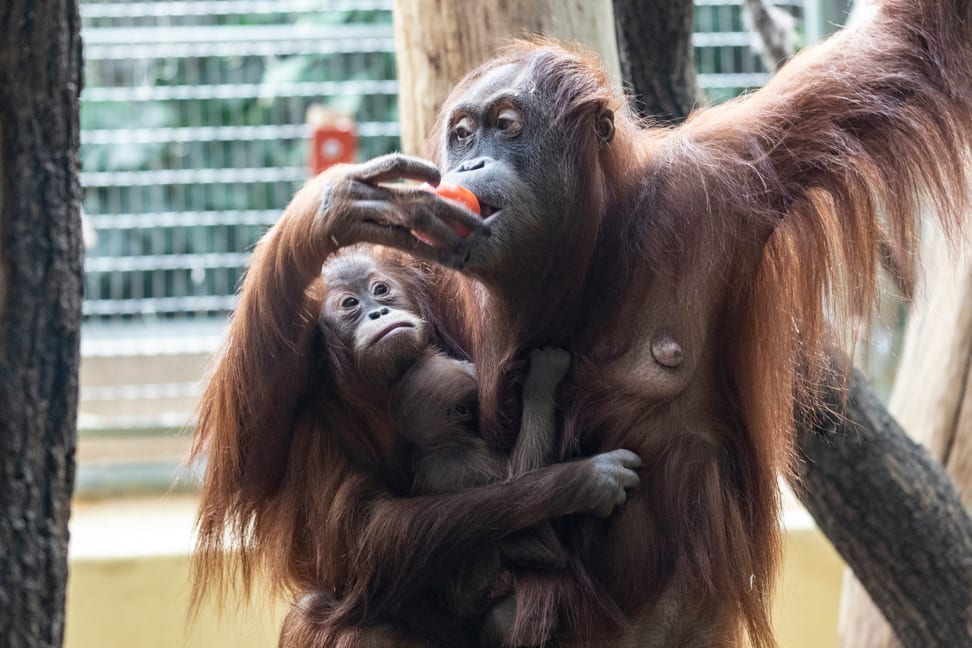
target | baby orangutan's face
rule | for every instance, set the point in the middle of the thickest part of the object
(371, 312)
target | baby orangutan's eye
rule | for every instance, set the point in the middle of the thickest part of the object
(462, 412)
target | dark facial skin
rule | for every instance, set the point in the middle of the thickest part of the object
(500, 144)
(374, 316)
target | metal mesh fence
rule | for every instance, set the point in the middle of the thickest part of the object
(725, 59)
(194, 137)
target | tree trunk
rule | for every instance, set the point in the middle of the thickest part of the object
(40, 311)
(932, 398)
(893, 514)
(657, 57)
(774, 30)
(438, 41)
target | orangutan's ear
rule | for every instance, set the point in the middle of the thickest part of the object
(604, 125)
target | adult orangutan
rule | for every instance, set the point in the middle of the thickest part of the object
(686, 270)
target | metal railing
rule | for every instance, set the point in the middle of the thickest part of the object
(194, 136)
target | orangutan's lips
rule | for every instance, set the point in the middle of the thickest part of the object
(391, 328)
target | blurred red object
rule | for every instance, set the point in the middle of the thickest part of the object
(333, 139)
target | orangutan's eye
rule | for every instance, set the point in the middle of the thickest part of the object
(463, 412)
(464, 128)
(509, 121)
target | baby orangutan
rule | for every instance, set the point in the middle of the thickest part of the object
(436, 404)
(433, 401)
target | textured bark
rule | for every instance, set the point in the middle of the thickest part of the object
(932, 396)
(657, 58)
(893, 514)
(774, 30)
(40, 311)
(433, 54)
(932, 399)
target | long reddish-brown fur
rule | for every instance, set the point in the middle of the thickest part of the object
(740, 234)
(305, 479)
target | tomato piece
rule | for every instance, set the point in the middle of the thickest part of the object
(456, 194)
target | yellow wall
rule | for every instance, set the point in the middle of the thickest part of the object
(141, 603)
(808, 595)
(128, 584)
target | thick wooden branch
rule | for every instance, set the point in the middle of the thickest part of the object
(40, 312)
(657, 57)
(893, 514)
(775, 30)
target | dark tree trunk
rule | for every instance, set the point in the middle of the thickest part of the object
(774, 31)
(40, 311)
(888, 507)
(657, 58)
(893, 514)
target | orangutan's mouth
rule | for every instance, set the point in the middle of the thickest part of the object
(390, 329)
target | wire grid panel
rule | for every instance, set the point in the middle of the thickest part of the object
(194, 135)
